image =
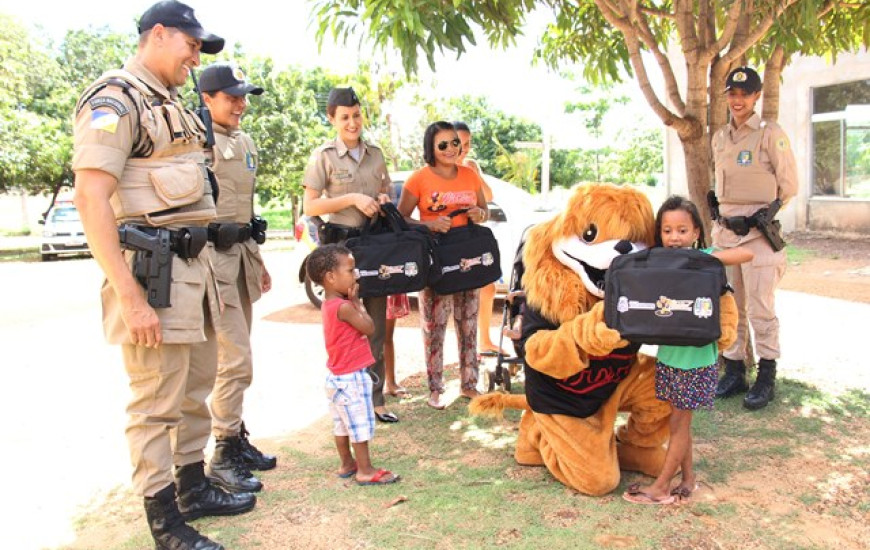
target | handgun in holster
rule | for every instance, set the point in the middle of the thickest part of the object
(152, 263)
(765, 220)
(713, 205)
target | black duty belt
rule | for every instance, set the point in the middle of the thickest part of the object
(186, 242)
(335, 233)
(225, 235)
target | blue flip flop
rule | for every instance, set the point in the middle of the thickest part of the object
(347, 474)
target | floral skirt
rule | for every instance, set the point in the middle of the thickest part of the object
(687, 389)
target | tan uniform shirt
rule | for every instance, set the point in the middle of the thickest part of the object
(754, 165)
(107, 129)
(235, 165)
(331, 169)
(104, 136)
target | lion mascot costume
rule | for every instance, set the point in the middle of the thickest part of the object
(578, 372)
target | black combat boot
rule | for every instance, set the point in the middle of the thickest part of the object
(762, 391)
(253, 457)
(167, 526)
(197, 497)
(734, 379)
(228, 470)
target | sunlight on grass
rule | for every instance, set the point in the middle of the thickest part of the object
(494, 437)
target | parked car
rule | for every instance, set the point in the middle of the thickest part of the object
(63, 232)
(510, 213)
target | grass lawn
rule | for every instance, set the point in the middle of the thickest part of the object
(792, 476)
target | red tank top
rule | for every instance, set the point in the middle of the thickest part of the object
(348, 348)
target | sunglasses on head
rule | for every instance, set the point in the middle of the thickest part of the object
(442, 145)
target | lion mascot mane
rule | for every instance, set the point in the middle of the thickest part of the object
(578, 372)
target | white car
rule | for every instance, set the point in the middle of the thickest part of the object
(63, 232)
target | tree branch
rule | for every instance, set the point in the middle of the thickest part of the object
(641, 25)
(686, 29)
(727, 31)
(656, 12)
(681, 125)
(738, 48)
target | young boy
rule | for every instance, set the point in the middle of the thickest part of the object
(346, 324)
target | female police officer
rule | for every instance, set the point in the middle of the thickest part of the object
(755, 166)
(347, 178)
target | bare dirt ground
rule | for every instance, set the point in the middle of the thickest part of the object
(836, 266)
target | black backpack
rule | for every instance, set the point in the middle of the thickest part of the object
(665, 296)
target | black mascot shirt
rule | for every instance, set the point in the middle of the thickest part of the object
(582, 394)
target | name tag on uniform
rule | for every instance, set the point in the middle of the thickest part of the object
(342, 175)
(744, 158)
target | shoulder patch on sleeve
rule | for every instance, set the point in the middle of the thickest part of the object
(110, 102)
(782, 144)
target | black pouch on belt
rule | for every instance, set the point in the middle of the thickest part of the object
(223, 235)
(740, 225)
(188, 242)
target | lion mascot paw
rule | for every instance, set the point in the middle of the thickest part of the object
(579, 372)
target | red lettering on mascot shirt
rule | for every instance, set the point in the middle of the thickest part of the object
(602, 371)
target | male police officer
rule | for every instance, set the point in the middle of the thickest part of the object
(141, 177)
(755, 166)
(241, 274)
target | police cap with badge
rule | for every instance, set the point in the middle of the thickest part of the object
(744, 78)
(342, 97)
(227, 78)
(170, 13)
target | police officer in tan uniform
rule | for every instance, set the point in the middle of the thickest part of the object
(754, 166)
(146, 198)
(241, 274)
(347, 179)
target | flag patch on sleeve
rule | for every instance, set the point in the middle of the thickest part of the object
(108, 122)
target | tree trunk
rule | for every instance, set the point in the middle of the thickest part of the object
(770, 91)
(697, 156)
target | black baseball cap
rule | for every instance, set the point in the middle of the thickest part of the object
(170, 13)
(744, 78)
(227, 78)
(342, 97)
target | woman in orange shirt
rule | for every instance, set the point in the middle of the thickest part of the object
(437, 190)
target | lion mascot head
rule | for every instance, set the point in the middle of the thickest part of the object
(567, 257)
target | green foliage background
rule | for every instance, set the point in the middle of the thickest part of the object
(40, 82)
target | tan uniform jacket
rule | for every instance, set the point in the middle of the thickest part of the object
(112, 127)
(332, 169)
(754, 165)
(235, 165)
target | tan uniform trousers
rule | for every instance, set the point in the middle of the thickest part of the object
(235, 369)
(754, 285)
(169, 422)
